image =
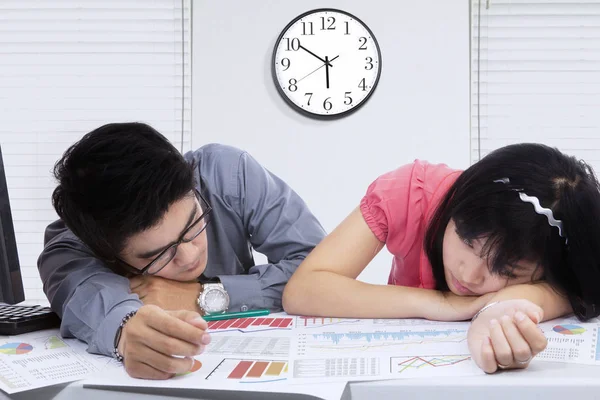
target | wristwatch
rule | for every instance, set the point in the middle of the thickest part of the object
(213, 299)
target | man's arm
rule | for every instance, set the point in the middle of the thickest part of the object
(279, 225)
(90, 299)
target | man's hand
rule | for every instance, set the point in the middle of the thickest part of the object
(448, 306)
(157, 344)
(166, 293)
(506, 335)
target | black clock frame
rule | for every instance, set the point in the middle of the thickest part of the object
(294, 105)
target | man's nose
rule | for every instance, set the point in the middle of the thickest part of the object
(186, 253)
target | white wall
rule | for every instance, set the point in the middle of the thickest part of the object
(419, 110)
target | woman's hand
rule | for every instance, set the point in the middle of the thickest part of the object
(506, 335)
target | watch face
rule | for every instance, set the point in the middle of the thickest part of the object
(215, 300)
(326, 63)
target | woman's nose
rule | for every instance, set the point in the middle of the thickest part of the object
(474, 273)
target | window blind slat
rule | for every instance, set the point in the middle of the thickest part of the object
(69, 66)
(536, 75)
(499, 33)
(110, 4)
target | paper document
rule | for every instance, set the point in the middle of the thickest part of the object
(310, 356)
(43, 358)
(571, 342)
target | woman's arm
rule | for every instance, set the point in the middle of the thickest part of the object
(325, 283)
(553, 303)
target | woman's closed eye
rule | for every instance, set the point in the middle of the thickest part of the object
(466, 241)
(507, 274)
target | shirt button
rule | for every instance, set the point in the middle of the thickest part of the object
(244, 308)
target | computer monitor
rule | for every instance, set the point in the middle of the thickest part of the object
(11, 283)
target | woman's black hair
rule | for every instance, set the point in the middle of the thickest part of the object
(484, 203)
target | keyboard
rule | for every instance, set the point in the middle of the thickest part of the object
(15, 320)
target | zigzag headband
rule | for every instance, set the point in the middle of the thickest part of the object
(538, 208)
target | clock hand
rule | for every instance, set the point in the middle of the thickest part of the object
(327, 66)
(327, 72)
(305, 76)
(310, 73)
(313, 54)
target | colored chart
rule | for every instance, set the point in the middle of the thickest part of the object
(249, 370)
(428, 362)
(250, 324)
(437, 342)
(54, 342)
(569, 329)
(434, 366)
(313, 322)
(449, 335)
(197, 365)
(15, 348)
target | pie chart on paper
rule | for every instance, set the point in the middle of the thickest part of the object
(195, 367)
(569, 329)
(15, 348)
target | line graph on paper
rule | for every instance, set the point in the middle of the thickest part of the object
(434, 365)
(319, 322)
(426, 341)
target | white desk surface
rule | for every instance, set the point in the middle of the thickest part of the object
(542, 380)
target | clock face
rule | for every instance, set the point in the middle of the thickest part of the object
(326, 63)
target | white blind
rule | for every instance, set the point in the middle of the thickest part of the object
(69, 66)
(536, 75)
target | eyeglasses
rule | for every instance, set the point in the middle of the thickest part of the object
(191, 233)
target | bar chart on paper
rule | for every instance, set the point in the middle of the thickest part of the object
(251, 324)
(250, 370)
(429, 341)
(317, 322)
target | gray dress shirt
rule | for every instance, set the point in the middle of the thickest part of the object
(252, 209)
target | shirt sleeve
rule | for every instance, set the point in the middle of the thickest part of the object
(279, 225)
(90, 299)
(395, 204)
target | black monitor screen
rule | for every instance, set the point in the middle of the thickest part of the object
(11, 284)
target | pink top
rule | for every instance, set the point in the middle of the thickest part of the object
(398, 207)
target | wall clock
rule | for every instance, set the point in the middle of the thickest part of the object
(326, 63)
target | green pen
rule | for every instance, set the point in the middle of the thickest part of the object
(232, 315)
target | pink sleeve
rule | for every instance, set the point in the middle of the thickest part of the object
(395, 203)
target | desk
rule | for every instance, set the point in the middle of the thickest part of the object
(542, 380)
